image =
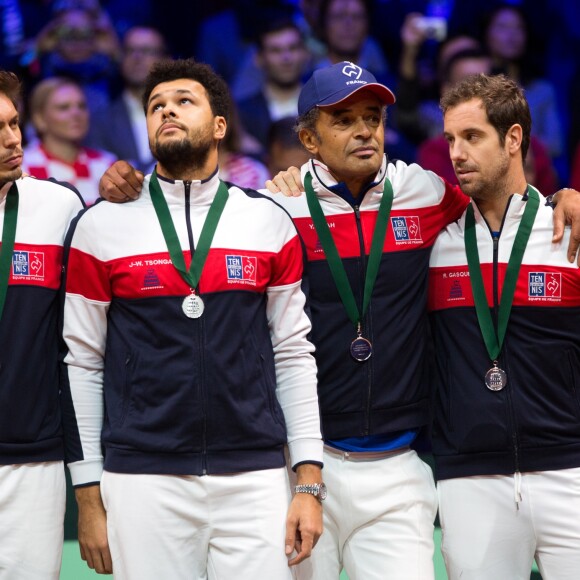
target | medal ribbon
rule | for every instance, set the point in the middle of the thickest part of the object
(8, 237)
(334, 261)
(494, 341)
(212, 219)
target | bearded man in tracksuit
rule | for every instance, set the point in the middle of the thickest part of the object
(505, 310)
(189, 365)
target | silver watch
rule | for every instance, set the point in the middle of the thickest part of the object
(318, 490)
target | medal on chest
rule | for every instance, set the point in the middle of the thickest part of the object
(361, 348)
(193, 306)
(495, 378)
(493, 334)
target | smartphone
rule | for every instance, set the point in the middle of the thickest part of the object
(434, 27)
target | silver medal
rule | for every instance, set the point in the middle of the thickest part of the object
(193, 306)
(495, 378)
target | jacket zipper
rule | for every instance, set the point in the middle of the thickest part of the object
(515, 439)
(187, 185)
(367, 324)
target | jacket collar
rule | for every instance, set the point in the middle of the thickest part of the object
(326, 186)
(202, 192)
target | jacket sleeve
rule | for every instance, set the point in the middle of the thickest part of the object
(294, 363)
(86, 304)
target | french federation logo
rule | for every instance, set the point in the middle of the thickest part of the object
(352, 70)
(544, 285)
(242, 269)
(455, 292)
(29, 264)
(151, 280)
(407, 229)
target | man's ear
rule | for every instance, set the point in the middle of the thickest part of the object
(513, 138)
(309, 140)
(220, 127)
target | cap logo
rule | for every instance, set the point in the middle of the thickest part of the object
(351, 70)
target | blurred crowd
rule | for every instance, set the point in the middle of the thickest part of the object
(84, 63)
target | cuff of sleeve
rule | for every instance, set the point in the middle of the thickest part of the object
(306, 451)
(86, 472)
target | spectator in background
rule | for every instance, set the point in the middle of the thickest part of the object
(506, 38)
(234, 164)
(433, 154)
(344, 28)
(121, 127)
(418, 113)
(284, 147)
(80, 44)
(59, 113)
(282, 58)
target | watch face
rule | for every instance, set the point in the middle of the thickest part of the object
(322, 492)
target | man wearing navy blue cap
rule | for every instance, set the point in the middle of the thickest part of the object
(367, 298)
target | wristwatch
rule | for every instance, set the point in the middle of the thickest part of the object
(318, 490)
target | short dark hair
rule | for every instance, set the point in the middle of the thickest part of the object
(282, 131)
(274, 26)
(168, 70)
(10, 86)
(468, 53)
(503, 100)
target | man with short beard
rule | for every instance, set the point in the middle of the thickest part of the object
(189, 365)
(505, 311)
(35, 215)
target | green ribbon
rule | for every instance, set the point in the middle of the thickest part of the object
(8, 237)
(494, 340)
(334, 261)
(212, 219)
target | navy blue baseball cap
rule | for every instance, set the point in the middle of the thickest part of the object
(332, 84)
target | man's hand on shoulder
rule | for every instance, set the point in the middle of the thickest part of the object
(121, 182)
(287, 182)
(567, 211)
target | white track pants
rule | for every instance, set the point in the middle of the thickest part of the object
(32, 504)
(487, 535)
(378, 518)
(216, 527)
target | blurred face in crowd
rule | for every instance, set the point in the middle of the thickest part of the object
(65, 116)
(465, 67)
(283, 57)
(10, 142)
(346, 27)
(142, 48)
(76, 36)
(506, 35)
(454, 46)
(281, 157)
(349, 139)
